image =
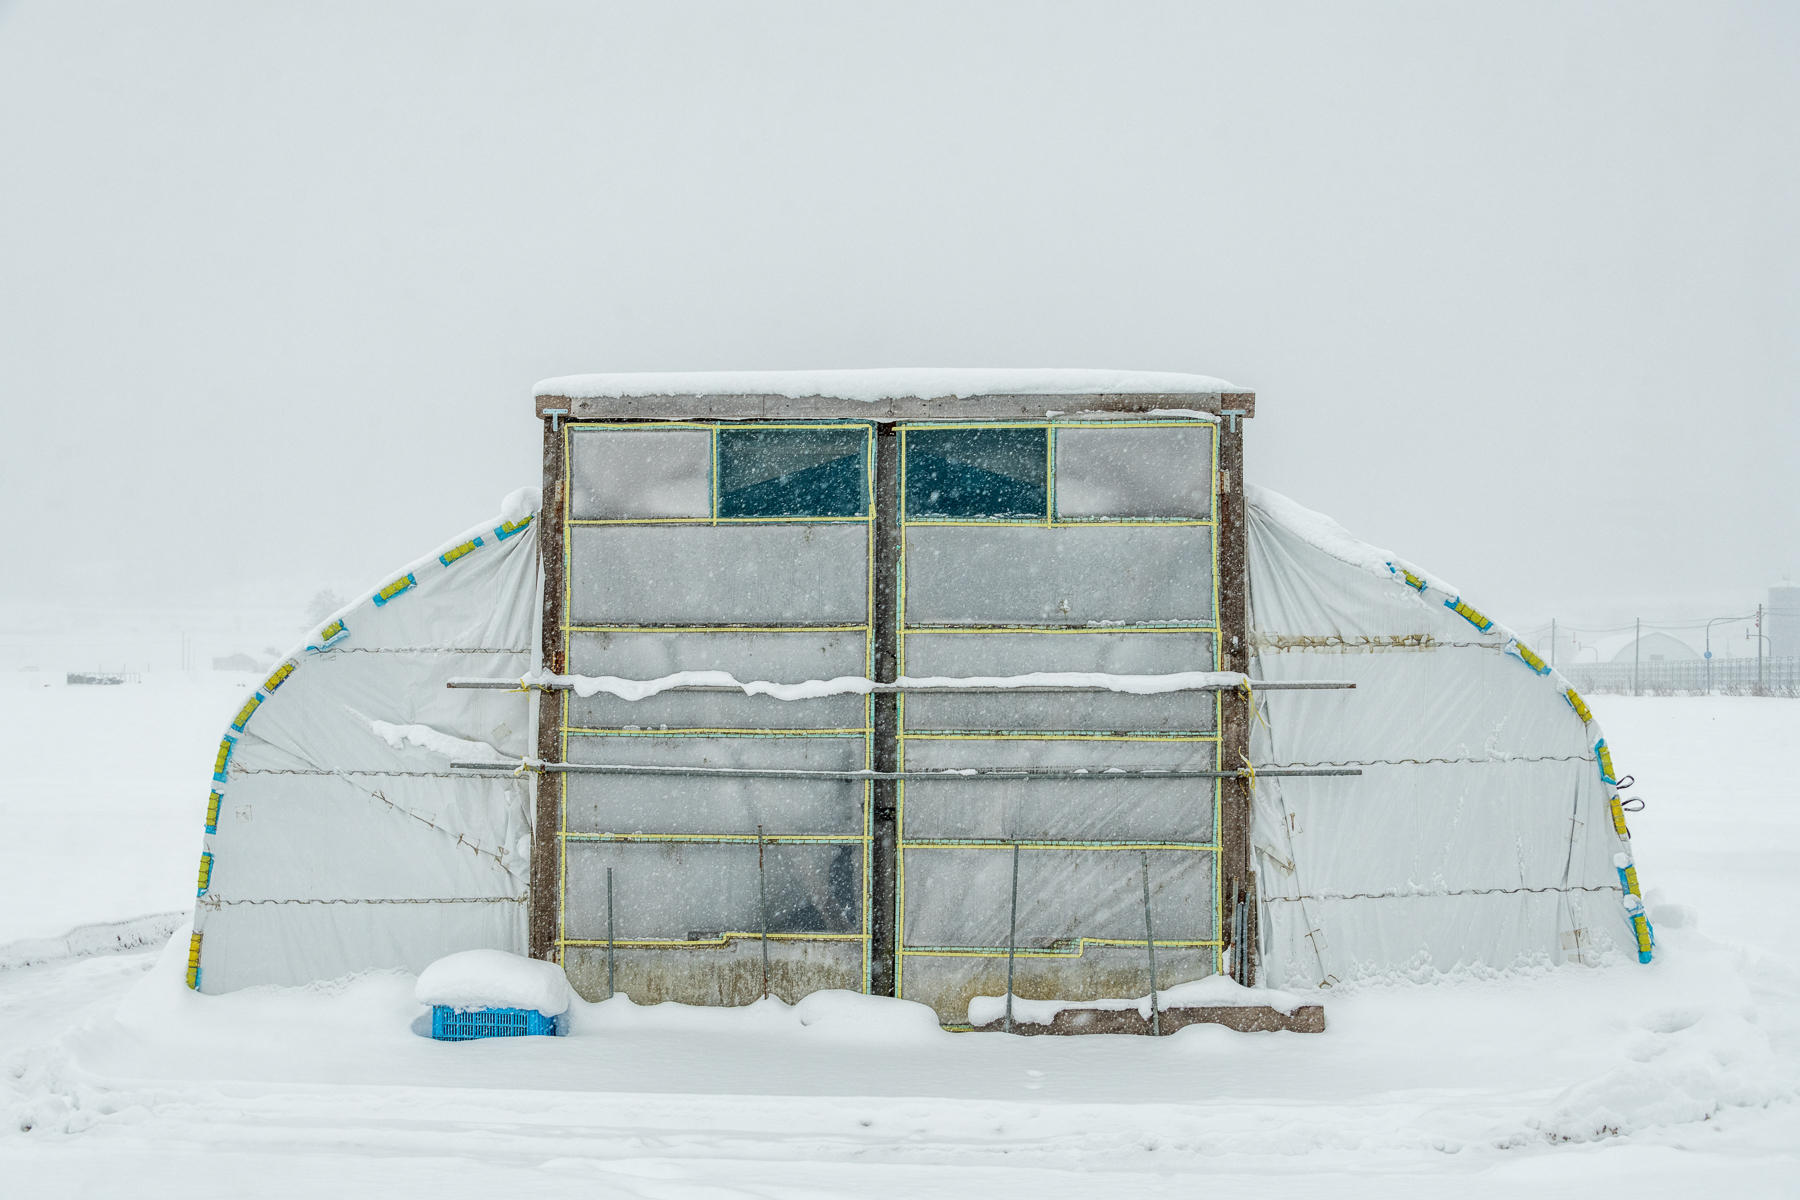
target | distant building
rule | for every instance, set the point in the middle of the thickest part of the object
(236, 662)
(1782, 624)
(1627, 647)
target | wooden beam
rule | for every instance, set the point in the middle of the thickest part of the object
(738, 407)
(1236, 871)
(546, 882)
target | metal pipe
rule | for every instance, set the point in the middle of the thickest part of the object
(873, 687)
(947, 776)
(762, 902)
(1012, 938)
(1150, 944)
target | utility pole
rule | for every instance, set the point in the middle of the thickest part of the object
(1637, 654)
(1759, 654)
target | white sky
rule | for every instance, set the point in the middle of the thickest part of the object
(1518, 286)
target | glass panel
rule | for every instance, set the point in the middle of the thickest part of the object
(782, 657)
(729, 574)
(1175, 810)
(1069, 575)
(626, 473)
(1160, 471)
(1022, 653)
(793, 472)
(710, 804)
(692, 891)
(960, 896)
(974, 473)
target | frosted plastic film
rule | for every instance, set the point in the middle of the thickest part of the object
(1002, 654)
(1176, 810)
(1157, 471)
(696, 805)
(343, 841)
(1478, 833)
(728, 574)
(784, 657)
(960, 896)
(627, 473)
(687, 891)
(1023, 574)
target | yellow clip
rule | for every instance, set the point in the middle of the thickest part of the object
(282, 672)
(1618, 815)
(1579, 705)
(450, 556)
(246, 712)
(206, 865)
(394, 589)
(1469, 613)
(212, 812)
(193, 964)
(1249, 773)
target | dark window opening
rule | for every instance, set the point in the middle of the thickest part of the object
(977, 473)
(793, 473)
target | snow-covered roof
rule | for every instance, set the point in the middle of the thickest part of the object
(890, 392)
(888, 383)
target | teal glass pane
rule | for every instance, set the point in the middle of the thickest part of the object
(793, 473)
(974, 473)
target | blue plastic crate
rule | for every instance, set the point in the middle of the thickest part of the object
(463, 1025)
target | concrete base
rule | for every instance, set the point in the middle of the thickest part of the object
(1308, 1018)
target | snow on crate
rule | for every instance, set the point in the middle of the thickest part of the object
(490, 993)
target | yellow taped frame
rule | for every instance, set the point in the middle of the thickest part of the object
(866, 840)
(902, 953)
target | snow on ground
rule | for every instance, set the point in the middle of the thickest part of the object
(103, 794)
(1669, 1080)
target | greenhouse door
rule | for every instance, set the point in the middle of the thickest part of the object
(745, 549)
(1057, 546)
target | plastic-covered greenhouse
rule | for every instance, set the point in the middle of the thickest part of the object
(900, 681)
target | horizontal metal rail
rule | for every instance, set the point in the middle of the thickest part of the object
(913, 689)
(943, 776)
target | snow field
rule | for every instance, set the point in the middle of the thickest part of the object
(1659, 1081)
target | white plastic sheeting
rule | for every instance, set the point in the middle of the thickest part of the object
(339, 840)
(1480, 832)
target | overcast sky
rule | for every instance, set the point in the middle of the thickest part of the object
(1517, 287)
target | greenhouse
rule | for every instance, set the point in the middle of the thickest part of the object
(940, 685)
